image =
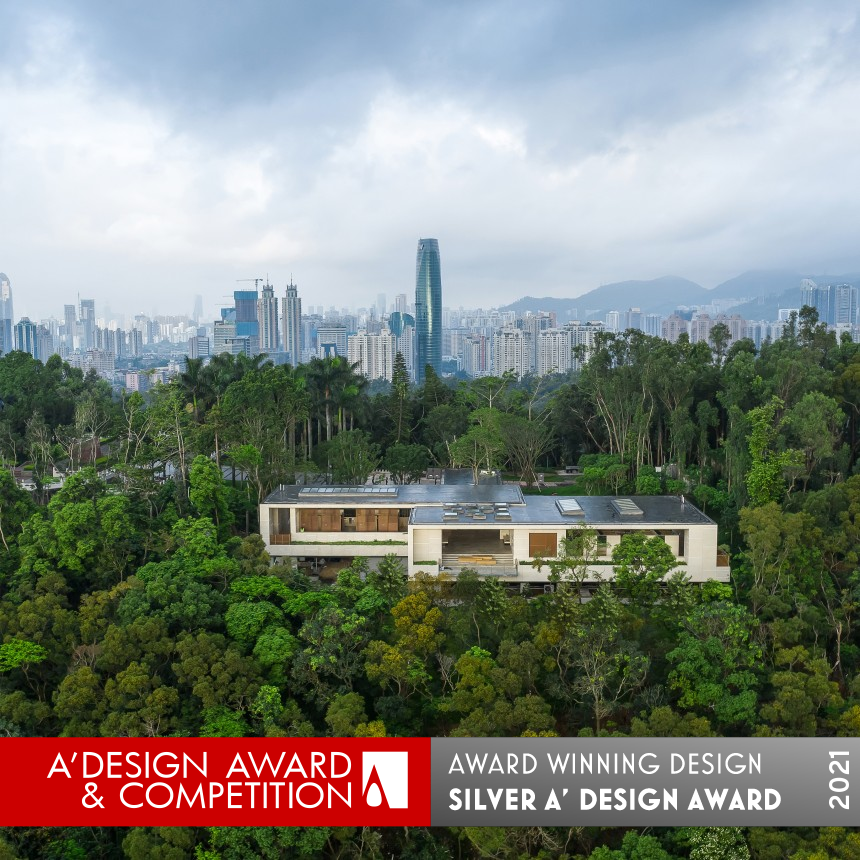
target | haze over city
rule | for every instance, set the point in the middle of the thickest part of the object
(152, 153)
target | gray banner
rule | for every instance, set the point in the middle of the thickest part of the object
(767, 782)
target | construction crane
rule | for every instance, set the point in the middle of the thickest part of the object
(255, 280)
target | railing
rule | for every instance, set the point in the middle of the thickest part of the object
(279, 540)
(723, 559)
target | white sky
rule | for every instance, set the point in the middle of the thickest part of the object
(149, 152)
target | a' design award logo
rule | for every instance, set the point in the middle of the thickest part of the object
(385, 779)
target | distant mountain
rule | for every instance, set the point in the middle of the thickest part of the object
(754, 295)
(767, 307)
(752, 285)
(661, 295)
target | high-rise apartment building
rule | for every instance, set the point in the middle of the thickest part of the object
(135, 343)
(757, 332)
(652, 324)
(7, 340)
(673, 327)
(120, 338)
(374, 354)
(293, 323)
(583, 340)
(100, 360)
(702, 325)
(428, 308)
(476, 356)
(267, 320)
(512, 351)
(554, 351)
(613, 321)
(534, 324)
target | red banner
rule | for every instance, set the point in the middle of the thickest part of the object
(215, 781)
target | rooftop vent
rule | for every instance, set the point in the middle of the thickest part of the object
(569, 508)
(626, 507)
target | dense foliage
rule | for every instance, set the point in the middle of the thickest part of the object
(138, 600)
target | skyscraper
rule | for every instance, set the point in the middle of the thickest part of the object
(293, 323)
(267, 319)
(844, 304)
(332, 340)
(402, 326)
(818, 297)
(70, 326)
(25, 337)
(88, 324)
(428, 308)
(245, 302)
(6, 316)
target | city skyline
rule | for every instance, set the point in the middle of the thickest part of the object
(611, 142)
(466, 342)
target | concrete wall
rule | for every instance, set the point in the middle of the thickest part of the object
(426, 544)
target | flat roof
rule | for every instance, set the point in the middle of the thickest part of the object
(395, 495)
(596, 511)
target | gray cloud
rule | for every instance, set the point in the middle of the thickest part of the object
(152, 151)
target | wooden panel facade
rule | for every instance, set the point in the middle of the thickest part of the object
(543, 544)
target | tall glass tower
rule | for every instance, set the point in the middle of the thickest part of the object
(428, 308)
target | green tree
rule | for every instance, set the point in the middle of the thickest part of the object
(766, 477)
(399, 398)
(525, 442)
(609, 666)
(641, 563)
(815, 423)
(490, 699)
(802, 691)
(714, 665)
(209, 495)
(407, 463)
(353, 457)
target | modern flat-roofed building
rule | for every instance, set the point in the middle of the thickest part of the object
(490, 528)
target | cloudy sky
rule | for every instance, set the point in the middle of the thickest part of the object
(153, 151)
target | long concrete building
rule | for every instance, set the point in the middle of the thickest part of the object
(492, 529)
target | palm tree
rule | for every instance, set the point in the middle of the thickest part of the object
(194, 384)
(328, 376)
(349, 395)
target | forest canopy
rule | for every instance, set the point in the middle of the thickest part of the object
(137, 599)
